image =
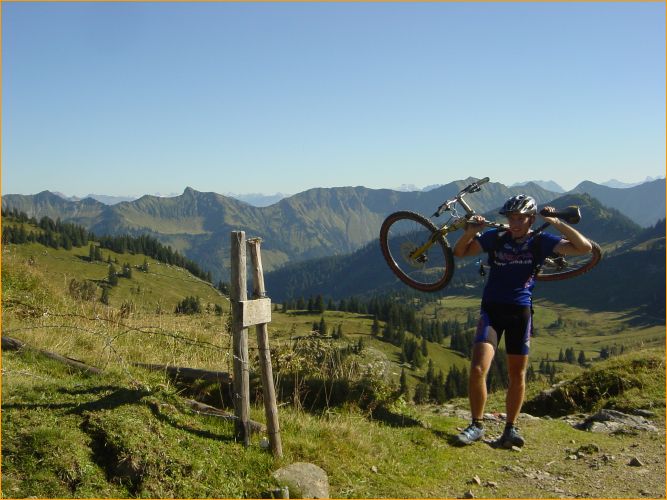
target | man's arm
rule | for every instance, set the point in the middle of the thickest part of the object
(574, 243)
(467, 245)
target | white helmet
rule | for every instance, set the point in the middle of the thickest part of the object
(519, 204)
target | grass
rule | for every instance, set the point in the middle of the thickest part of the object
(65, 435)
(162, 287)
(129, 433)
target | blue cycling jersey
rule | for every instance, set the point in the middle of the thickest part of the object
(511, 279)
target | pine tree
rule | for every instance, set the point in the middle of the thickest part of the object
(113, 275)
(421, 393)
(419, 359)
(319, 304)
(375, 328)
(403, 383)
(582, 358)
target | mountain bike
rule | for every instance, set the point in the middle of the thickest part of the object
(418, 252)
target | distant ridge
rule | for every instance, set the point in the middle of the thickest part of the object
(319, 222)
(549, 185)
(645, 203)
(614, 183)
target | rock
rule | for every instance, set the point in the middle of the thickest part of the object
(491, 484)
(304, 480)
(609, 421)
(469, 494)
(464, 414)
(643, 413)
(515, 448)
(635, 462)
(277, 493)
(476, 480)
(572, 457)
(374, 469)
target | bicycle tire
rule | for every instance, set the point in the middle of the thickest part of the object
(403, 232)
(571, 266)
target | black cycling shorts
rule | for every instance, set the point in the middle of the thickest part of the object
(515, 321)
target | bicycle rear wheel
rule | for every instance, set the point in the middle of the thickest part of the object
(569, 266)
(404, 232)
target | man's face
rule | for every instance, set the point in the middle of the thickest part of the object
(519, 224)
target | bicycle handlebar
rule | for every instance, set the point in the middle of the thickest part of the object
(470, 188)
(474, 187)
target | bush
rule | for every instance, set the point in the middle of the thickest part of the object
(189, 305)
(82, 290)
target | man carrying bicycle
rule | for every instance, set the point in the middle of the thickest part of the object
(514, 258)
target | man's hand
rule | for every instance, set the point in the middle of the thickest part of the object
(467, 244)
(475, 224)
(551, 220)
(574, 243)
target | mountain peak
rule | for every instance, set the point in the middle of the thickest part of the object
(548, 185)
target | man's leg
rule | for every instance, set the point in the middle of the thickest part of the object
(482, 356)
(516, 368)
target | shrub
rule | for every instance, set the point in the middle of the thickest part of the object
(189, 305)
(82, 290)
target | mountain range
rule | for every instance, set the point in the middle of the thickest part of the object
(632, 270)
(320, 222)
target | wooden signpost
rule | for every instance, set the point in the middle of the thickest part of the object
(246, 313)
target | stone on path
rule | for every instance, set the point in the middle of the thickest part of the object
(304, 480)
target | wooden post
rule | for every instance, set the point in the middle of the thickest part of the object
(270, 405)
(238, 296)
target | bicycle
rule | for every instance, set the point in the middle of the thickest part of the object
(419, 254)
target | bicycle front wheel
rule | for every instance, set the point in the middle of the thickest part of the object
(569, 266)
(401, 235)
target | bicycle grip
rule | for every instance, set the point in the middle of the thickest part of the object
(571, 214)
(482, 181)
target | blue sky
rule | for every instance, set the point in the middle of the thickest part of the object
(136, 98)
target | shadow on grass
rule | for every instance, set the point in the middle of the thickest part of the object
(119, 396)
(155, 410)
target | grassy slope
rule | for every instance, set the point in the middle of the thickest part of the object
(129, 433)
(163, 285)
